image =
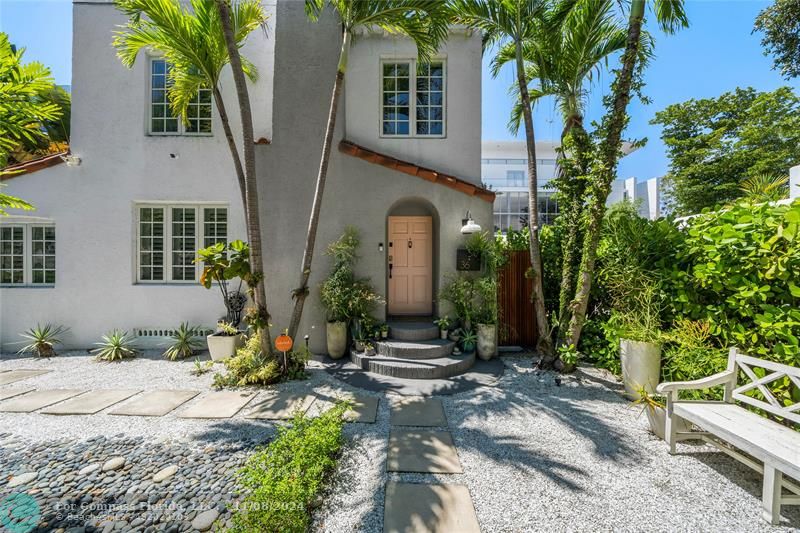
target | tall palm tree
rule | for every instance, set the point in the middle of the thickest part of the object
(425, 22)
(576, 38)
(195, 41)
(671, 16)
(515, 23)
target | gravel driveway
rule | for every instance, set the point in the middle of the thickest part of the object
(536, 456)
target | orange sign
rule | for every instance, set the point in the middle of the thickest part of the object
(283, 343)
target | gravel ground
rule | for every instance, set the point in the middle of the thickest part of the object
(536, 456)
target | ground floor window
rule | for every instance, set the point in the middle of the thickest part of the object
(170, 235)
(27, 255)
(511, 210)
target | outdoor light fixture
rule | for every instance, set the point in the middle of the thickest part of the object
(71, 160)
(469, 225)
(380, 246)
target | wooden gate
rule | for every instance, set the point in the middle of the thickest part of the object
(517, 324)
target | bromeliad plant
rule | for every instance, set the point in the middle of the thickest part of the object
(116, 346)
(42, 340)
(223, 263)
(184, 342)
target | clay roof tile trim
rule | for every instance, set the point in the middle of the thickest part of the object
(427, 174)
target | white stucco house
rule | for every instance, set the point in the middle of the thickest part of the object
(504, 170)
(111, 242)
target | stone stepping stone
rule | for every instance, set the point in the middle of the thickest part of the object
(17, 375)
(37, 399)
(280, 406)
(90, 403)
(5, 394)
(155, 403)
(422, 451)
(428, 509)
(425, 412)
(221, 404)
(364, 410)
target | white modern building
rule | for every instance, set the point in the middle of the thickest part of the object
(504, 170)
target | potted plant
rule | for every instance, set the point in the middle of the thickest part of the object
(468, 340)
(640, 343)
(384, 330)
(221, 264)
(486, 318)
(656, 412)
(224, 342)
(444, 324)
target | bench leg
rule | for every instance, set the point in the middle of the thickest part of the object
(669, 426)
(771, 498)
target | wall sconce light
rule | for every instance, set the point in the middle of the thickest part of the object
(380, 246)
(71, 160)
(469, 226)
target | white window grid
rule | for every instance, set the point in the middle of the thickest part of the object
(162, 121)
(27, 255)
(511, 210)
(413, 98)
(168, 237)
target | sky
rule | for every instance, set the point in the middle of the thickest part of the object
(716, 54)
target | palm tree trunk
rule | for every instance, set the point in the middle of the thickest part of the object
(301, 292)
(543, 345)
(261, 318)
(609, 155)
(237, 162)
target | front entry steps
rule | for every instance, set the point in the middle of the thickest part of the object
(414, 351)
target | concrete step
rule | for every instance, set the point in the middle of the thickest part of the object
(431, 349)
(442, 367)
(413, 331)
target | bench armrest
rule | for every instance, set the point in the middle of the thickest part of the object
(702, 383)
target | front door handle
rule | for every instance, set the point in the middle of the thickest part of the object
(390, 270)
(410, 243)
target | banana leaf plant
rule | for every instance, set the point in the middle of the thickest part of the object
(223, 263)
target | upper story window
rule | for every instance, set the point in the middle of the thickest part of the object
(27, 255)
(168, 237)
(162, 120)
(413, 99)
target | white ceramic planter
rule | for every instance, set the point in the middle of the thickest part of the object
(487, 341)
(657, 416)
(443, 334)
(336, 333)
(641, 367)
(224, 346)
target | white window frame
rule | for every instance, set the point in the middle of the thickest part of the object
(27, 254)
(199, 238)
(181, 126)
(412, 98)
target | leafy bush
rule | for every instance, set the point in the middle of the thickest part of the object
(184, 342)
(42, 340)
(249, 367)
(692, 353)
(281, 481)
(116, 346)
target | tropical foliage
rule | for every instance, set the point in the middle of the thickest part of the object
(780, 26)
(42, 340)
(183, 342)
(116, 346)
(716, 146)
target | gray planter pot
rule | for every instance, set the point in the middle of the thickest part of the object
(443, 334)
(337, 339)
(641, 367)
(487, 341)
(223, 346)
(657, 416)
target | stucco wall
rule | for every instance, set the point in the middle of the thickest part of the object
(92, 204)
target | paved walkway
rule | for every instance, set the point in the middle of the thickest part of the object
(415, 447)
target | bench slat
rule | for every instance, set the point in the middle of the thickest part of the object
(763, 439)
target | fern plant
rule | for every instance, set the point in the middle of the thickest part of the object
(184, 342)
(42, 340)
(116, 346)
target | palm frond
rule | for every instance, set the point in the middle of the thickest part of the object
(764, 187)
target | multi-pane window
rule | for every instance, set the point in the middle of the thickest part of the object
(169, 237)
(162, 120)
(27, 255)
(412, 99)
(511, 210)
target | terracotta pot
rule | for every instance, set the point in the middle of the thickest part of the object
(641, 366)
(336, 333)
(487, 341)
(224, 346)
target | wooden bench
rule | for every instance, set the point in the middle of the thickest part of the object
(769, 447)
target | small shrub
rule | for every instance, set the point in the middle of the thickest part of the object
(202, 368)
(249, 367)
(227, 329)
(691, 353)
(116, 346)
(42, 340)
(281, 481)
(184, 342)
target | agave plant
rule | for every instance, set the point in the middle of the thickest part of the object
(116, 346)
(42, 340)
(184, 342)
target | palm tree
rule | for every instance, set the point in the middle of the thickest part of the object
(577, 36)
(515, 23)
(425, 22)
(671, 16)
(764, 187)
(195, 42)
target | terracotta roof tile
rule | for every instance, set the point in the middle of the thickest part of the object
(31, 166)
(412, 169)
